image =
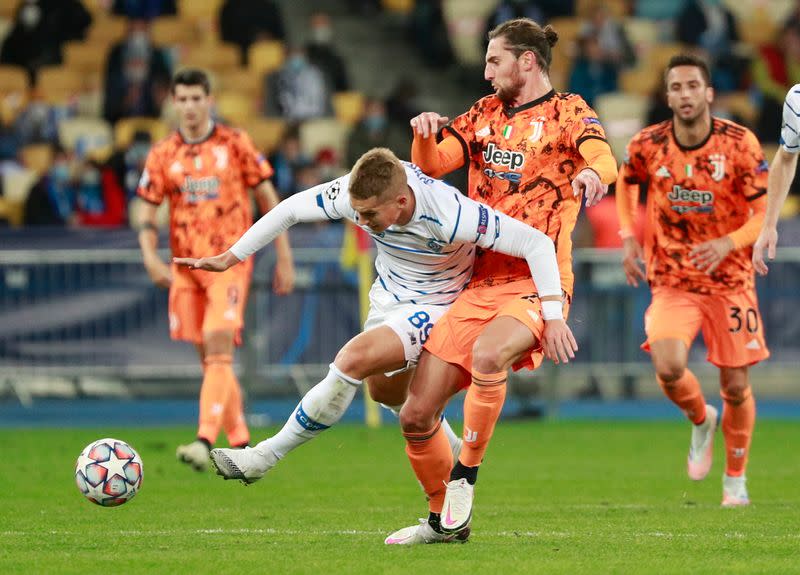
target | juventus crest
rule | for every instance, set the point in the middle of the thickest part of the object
(717, 162)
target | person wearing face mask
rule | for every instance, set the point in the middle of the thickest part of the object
(39, 30)
(297, 91)
(51, 201)
(375, 130)
(137, 76)
(322, 54)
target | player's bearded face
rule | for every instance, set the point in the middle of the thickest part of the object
(502, 70)
(193, 105)
(688, 94)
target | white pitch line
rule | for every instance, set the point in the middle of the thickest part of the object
(376, 533)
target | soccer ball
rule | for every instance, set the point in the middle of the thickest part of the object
(109, 472)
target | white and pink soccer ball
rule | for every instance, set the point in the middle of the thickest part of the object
(109, 472)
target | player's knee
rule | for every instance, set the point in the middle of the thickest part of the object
(218, 342)
(353, 361)
(669, 370)
(734, 386)
(414, 418)
(488, 357)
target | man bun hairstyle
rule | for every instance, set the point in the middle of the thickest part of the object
(525, 35)
(375, 173)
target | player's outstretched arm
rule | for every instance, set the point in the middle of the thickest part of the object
(218, 263)
(781, 173)
(283, 277)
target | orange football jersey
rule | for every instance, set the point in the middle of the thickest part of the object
(522, 162)
(694, 195)
(207, 185)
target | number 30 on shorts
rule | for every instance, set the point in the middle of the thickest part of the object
(747, 318)
(422, 321)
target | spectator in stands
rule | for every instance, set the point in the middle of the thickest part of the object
(128, 164)
(614, 44)
(375, 131)
(137, 76)
(775, 69)
(508, 10)
(428, 33)
(38, 123)
(144, 9)
(243, 22)
(298, 90)
(39, 30)
(286, 161)
(323, 55)
(592, 74)
(710, 25)
(51, 201)
(401, 103)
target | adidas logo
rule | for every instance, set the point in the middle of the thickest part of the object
(663, 172)
(753, 344)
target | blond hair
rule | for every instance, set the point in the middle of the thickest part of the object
(376, 172)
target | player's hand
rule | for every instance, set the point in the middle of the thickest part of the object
(708, 255)
(558, 343)
(428, 123)
(159, 272)
(588, 182)
(768, 238)
(283, 277)
(632, 256)
(218, 263)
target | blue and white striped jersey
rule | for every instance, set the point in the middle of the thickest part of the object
(427, 261)
(790, 127)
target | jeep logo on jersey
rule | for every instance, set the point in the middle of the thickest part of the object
(494, 155)
(691, 200)
(200, 189)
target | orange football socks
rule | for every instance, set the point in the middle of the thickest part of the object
(738, 421)
(482, 408)
(686, 394)
(431, 458)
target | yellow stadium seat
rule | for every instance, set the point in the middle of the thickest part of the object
(642, 33)
(13, 79)
(17, 184)
(617, 8)
(37, 157)
(107, 30)
(739, 104)
(125, 128)
(266, 133)
(348, 107)
(323, 133)
(59, 85)
(622, 115)
(171, 30)
(8, 8)
(199, 9)
(85, 57)
(235, 108)
(398, 6)
(465, 21)
(12, 212)
(94, 135)
(266, 56)
(216, 57)
(241, 80)
(639, 80)
(659, 55)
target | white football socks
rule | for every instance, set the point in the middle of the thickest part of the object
(321, 407)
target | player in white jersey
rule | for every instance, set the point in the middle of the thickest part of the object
(425, 232)
(781, 174)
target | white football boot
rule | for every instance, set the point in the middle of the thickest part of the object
(457, 508)
(194, 454)
(734, 491)
(701, 450)
(248, 465)
(423, 533)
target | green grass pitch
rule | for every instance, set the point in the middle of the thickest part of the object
(563, 497)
